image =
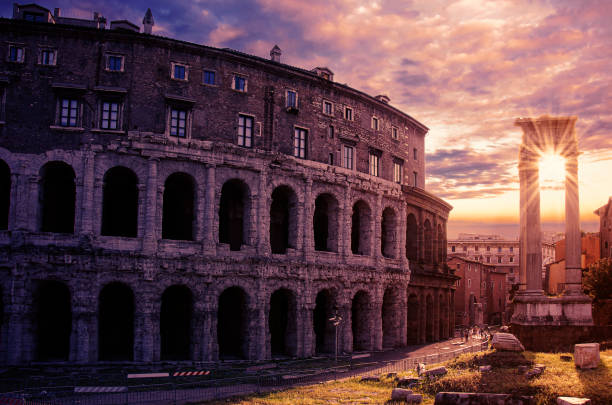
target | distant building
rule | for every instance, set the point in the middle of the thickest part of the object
(605, 229)
(555, 272)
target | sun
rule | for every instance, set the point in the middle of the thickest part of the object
(552, 170)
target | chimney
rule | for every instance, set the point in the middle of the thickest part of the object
(57, 12)
(275, 54)
(148, 22)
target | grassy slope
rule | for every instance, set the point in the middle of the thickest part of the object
(561, 378)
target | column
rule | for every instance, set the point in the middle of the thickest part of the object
(210, 237)
(149, 239)
(436, 315)
(573, 273)
(344, 227)
(308, 242)
(377, 216)
(263, 216)
(146, 330)
(531, 246)
(87, 206)
(401, 240)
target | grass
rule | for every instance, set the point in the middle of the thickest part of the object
(560, 378)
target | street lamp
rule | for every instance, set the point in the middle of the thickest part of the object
(335, 320)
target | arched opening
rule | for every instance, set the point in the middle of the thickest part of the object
(283, 220)
(442, 245)
(428, 236)
(429, 320)
(412, 321)
(233, 324)
(57, 198)
(411, 238)
(361, 228)
(323, 328)
(360, 321)
(233, 212)
(325, 223)
(175, 323)
(391, 318)
(53, 317)
(5, 194)
(387, 233)
(116, 322)
(178, 218)
(120, 203)
(282, 323)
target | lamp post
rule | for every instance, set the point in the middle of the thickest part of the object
(336, 320)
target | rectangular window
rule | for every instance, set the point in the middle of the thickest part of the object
(458, 266)
(47, 57)
(499, 259)
(110, 115)
(511, 248)
(33, 17)
(488, 248)
(16, 54)
(328, 108)
(394, 133)
(291, 99)
(114, 63)
(397, 172)
(374, 162)
(179, 72)
(511, 259)
(69, 112)
(488, 259)
(331, 159)
(208, 77)
(414, 153)
(469, 283)
(240, 83)
(330, 132)
(499, 249)
(347, 157)
(299, 143)
(416, 176)
(348, 113)
(178, 122)
(375, 123)
(245, 131)
(452, 248)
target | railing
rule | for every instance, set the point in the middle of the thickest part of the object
(213, 389)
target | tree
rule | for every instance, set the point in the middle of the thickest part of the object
(597, 280)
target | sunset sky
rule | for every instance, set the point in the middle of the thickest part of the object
(466, 69)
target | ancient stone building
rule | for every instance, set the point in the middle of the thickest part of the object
(163, 200)
(605, 229)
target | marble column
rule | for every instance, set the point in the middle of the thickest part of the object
(573, 272)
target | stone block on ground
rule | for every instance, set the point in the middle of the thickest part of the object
(435, 372)
(572, 401)
(370, 378)
(403, 395)
(523, 369)
(506, 341)
(484, 369)
(408, 382)
(534, 372)
(391, 375)
(565, 357)
(586, 355)
(472, 398)
(540, 366)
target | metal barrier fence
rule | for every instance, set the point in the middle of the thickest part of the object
(214, 389)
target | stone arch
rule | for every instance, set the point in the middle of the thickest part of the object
(441, 244)
(116, 322)
(233, 323)
(325, 307)
(178, 217)
(361, 228)
(120, 203)
(429, 320)
(234, 207)
(412, 232)
(283, 219)
(325, 223)
(412, 319)
(175, 324)
(361, 321)
(57, 197)
(428, 241)
(53, 320)
(390, 314)
(388, 228)
(282, 322)
(5, 194)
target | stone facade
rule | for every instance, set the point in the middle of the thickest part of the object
(237, 237)
(605, 229)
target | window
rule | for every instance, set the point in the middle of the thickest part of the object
(394, 133)
(299, 142)
(239, 83)
(178, 122)
(109, 117)
(47, 57)
(375, 123)
(69, 112)
(291, 99)
(415, 153)
(208, 77)
(245, 131)
(488, 259)
(469, 282)
(374, 163)
(511, 248)
(348, 113)
(452, 248)
(499, 259)
(330, 132)
(179, 71)
(34, 17)
(328, 107)
(416, 176)
(499, 249)
(331, 159)
(347, 157)
(492, 285)
(114, 63)
(465, 248)
(16, 54)
(397, 172)
(458, 266)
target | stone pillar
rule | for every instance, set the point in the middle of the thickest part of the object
(423, 317)
(451, 313)
(200, 210)
(258, 335)
(87, 206)
(401, 240)
(146, 331)
(18, 323)
(308, 336)
(32, 195)
(376, 330)
(573, 272)
(84, 336)
(308, 242)
(149, 239)
(436, 317)
(377, 215)
(210, 237)
(402, 308)
(420, 237)
(345, 333)
(263, 216)
(344, 227)
(14, 221)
